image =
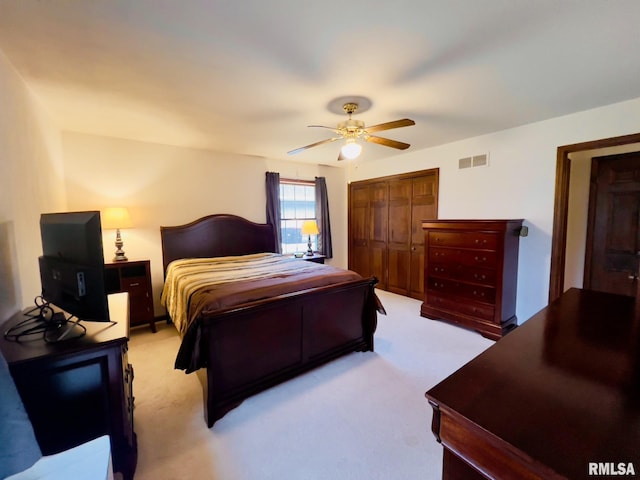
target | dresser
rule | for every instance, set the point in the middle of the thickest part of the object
(81, 388)
(471, 273)
(558, 398)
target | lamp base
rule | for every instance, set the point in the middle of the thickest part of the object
(119, 256)
(309, 251)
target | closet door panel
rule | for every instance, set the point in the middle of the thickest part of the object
(424, 206)
(359, 230)
(399, 243)
(378, 225)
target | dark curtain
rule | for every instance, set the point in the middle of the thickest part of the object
(322, 216)
(273, 207)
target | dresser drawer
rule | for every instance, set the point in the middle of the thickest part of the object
(479, 293)
(483, 276)
(470, 258)
(482, 240)
(486, 312)
(134, 285)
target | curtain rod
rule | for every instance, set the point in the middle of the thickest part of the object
(298, 181)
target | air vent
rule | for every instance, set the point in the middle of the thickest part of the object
(480, 161)
(473, 162)
(464, 162)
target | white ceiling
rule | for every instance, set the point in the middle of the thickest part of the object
(248, 76)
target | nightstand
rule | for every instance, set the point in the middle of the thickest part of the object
(133, 277)
(316, 258)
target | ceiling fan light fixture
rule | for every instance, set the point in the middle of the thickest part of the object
(353, 130)
(351, 149)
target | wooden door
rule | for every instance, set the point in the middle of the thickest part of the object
(359, 230)
(399, 244)
(424, 206)
(385, 228)
(368, 230)
(378, 223)
(613, 241)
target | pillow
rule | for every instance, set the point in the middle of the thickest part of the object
(19, 448)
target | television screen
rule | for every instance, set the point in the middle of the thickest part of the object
(74, 237)
(72, 264)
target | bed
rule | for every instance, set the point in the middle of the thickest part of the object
(268, 329)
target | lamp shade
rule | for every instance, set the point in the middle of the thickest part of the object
(116, 217)
(310, 227)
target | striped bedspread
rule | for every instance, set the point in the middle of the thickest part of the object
(198, 286)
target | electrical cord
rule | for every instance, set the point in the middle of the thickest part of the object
(43, 321)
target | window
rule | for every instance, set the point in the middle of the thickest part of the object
(297, 204)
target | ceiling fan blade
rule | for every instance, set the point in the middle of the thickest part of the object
(405, 122)
(388, 142)
(333, 129)
(322, 142)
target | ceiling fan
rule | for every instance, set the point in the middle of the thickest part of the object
(353, 131)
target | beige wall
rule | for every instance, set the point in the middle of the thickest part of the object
(163, 185)
(31, 173)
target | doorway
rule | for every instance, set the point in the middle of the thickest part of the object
(561, 204)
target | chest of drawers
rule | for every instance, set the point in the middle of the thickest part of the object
(471, 273)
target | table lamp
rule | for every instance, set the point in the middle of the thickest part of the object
(117, 218)
(309, 227)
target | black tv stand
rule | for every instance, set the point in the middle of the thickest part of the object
(87, 383)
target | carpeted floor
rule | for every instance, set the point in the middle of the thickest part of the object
(363, 416)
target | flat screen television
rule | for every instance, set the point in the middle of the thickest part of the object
(72, 264)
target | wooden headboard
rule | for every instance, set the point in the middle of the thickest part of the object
(218, 235)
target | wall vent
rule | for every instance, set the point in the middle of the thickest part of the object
(480, 160)
(475, 161)
(464, 162)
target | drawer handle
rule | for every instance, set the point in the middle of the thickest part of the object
(134, 284)
(478, 259)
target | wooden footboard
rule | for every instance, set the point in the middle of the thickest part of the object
(258, 345)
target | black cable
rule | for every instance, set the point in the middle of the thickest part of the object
(42, 320)
(63, 329)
